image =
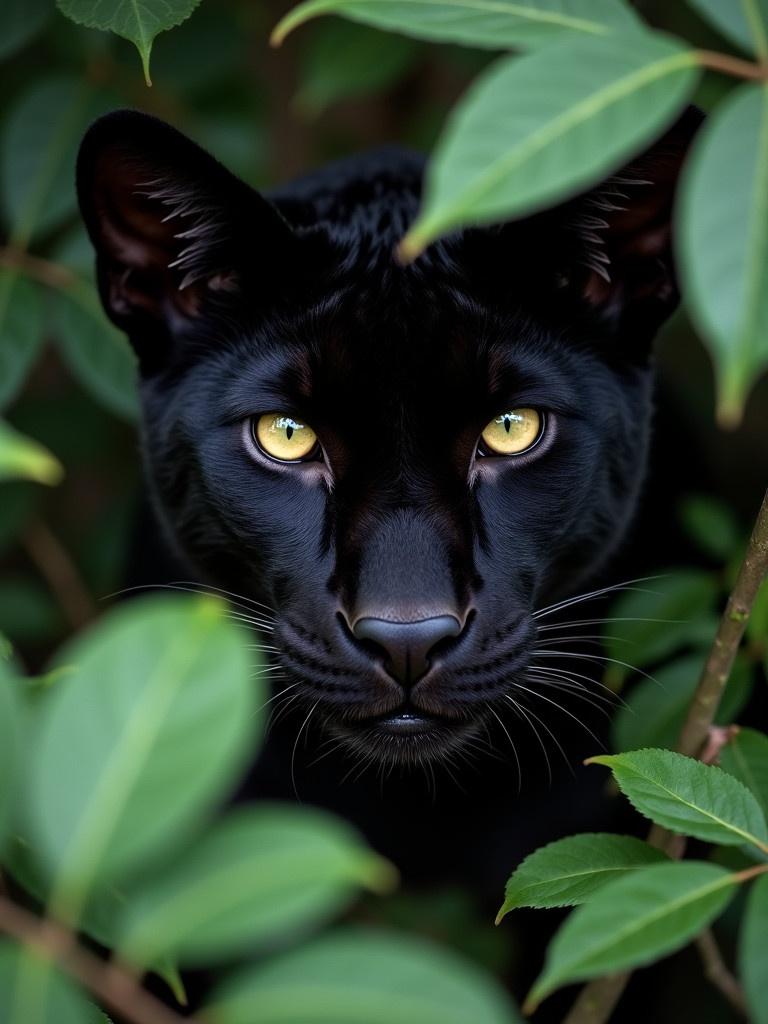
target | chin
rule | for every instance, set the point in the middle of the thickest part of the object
(409, 738)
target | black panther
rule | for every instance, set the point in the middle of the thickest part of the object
(398, 471)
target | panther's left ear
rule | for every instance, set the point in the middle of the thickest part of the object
(619, 236)
(171, 226)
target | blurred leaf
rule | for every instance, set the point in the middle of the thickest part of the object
(200, 52)
(571, 870)
(21, 331)
(257, 874)
(688, 797)
(20, 21)
(722, 236)
(753, 962)
(23, 458)
(169, 972)
(137, 22)
(180, 695)
(10, 746)
(498, 24)
(712, 525)
(346, 60)
(655, 709)
(633, 921)
(668, 613)
(539, 128)
(28, 613)
(37, 155)
(362, 977)
(32, 991)
(96, 353)
(746, 757)
(744, 22)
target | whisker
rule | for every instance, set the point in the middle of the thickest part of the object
(597, 658)
(592, 594)
(304, 724)
(565, 711)
(521, 711)
(512, 744)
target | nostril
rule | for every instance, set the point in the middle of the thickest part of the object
(407, 645)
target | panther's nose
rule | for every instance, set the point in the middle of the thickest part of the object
(407, 645)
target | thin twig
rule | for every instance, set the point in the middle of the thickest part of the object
(60, 573)
(114, 987)
(718, 973)
(45, 271)
(596, 1000)
(732, 65)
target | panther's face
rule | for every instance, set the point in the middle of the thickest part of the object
(395, 468)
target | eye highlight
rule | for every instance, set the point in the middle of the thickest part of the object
(512, 432)
(283, 437)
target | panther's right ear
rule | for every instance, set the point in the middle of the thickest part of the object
(170, 225)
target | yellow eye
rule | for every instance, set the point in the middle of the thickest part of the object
(283, 437)
(513, 432)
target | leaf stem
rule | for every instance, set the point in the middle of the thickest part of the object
(57, 568)
(108, 982)
(717, 971)
(597, 1000)
(733, 66)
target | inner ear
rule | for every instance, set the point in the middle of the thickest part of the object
(170, 225)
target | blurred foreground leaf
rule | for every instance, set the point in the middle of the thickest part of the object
(539, 128)
(139, 21)
(753, 962)
(745, 22)
(180, 695)
(21, 331)
(20, 20)
(33, 992)
(722, 237)
(10, 745)
(363, 977)
(23, 458)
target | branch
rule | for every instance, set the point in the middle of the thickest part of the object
(716, 970)
(113, 986)
(54, 564)
(596, 1001)
(53, 274)
(732, 65)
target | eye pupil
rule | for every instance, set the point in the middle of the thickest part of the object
(507, 423)
(289, 432)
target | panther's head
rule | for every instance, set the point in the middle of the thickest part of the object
(406, 464)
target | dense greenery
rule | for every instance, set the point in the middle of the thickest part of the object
(111, 795)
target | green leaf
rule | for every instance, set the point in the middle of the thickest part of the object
(169, 972)
(569, 871)
(32, 991)
(633, 921)
(744, 22)
(38, 147)
(753, 962)
(10, 746)
(22, 458)
(688, 797)
(258, 873)
(97, 354)
(722, 236)
(495, 24)
(21, 331)
(655, 709)
(345, 60)
(539, 128)
(712, 525)
(746, 757)
(138, 21)
(669, 613)
(363, 977)
(20, 21)
(180, 696)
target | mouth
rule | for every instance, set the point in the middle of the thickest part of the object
(405, 736)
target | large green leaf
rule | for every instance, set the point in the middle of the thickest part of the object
(723, 241)
(363, 977)
(258, 873)
(496, 24)
(33, 992)
(38, 147)
(746, 757)
(536, 129)
(21, 331)
(139, 21)
(151, 728)
(569, 871)
(10, 745)
(753, 961)
(655, 709)
(24, 459)
(20, 21)
(689, 797)
(657, 618)
(744, 22)
(98, 354)
(632, 921)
